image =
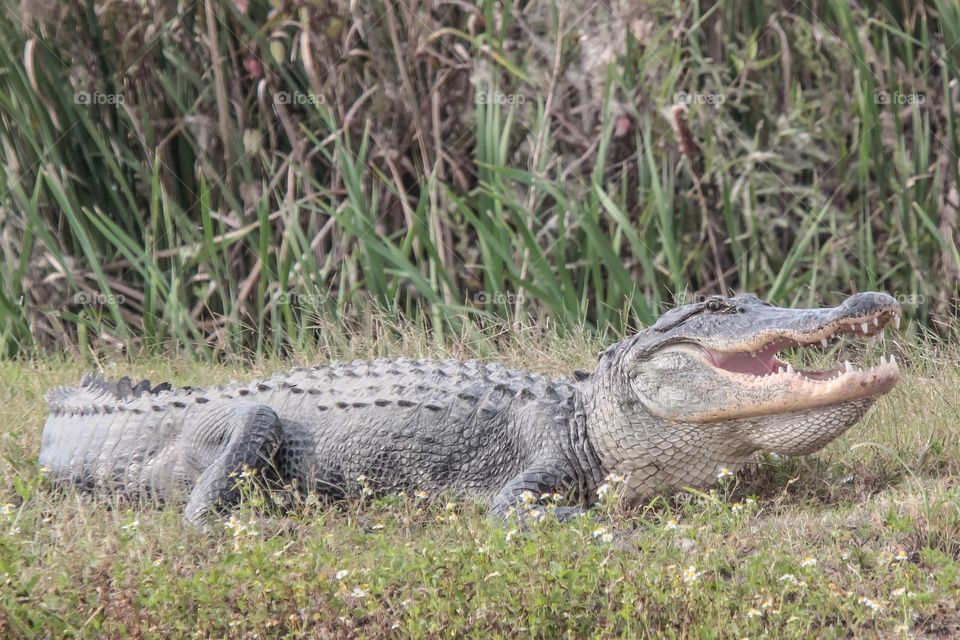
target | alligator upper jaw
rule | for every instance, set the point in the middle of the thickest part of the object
(809, 329)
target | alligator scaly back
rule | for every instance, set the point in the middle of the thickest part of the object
(96, 393)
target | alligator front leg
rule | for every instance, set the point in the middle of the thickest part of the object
(522, 493)
(247, 435)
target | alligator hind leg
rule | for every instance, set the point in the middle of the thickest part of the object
(242, 435)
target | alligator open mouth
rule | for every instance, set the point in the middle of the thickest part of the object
(758, 357)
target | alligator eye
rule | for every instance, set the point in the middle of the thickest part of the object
(715, 305)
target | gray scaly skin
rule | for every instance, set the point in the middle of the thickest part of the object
(699, 391)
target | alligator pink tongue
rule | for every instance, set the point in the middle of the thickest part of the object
(764, 362)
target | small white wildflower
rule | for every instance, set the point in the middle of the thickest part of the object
(358, 593)
(7, 509)
(901, 629)
(131, 526)
(766, 604)
(724, 472)
(420, 495)
(690, 574)
(754, 613)
(510, 534)
(362, 479)
(809, 561)
(900, 556)
(489, 576)
(870, 604)
(603, 490)
(233, 523)
(601, 533)
(671, 525)
(736, 507)
(343, 573)
(527, 497)
(615, 478)
(481, 550)
(788, 577)
(378, 526)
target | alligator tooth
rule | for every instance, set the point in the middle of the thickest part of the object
(824, 342)
(865, 327)
(790, 368)
(780, 369)
(853, 328)
(848, 367)
(892, 361)
(896, 321)
(876, 321)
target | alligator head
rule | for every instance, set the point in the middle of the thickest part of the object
(710, 375)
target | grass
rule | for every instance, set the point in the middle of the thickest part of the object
(860, 539)
(235, 170)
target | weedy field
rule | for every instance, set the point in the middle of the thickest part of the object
(861, 539)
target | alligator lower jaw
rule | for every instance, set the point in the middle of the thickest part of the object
(823, 387)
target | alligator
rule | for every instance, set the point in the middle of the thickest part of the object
(693, 396)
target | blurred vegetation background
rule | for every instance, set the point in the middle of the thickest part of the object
(214, 178)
